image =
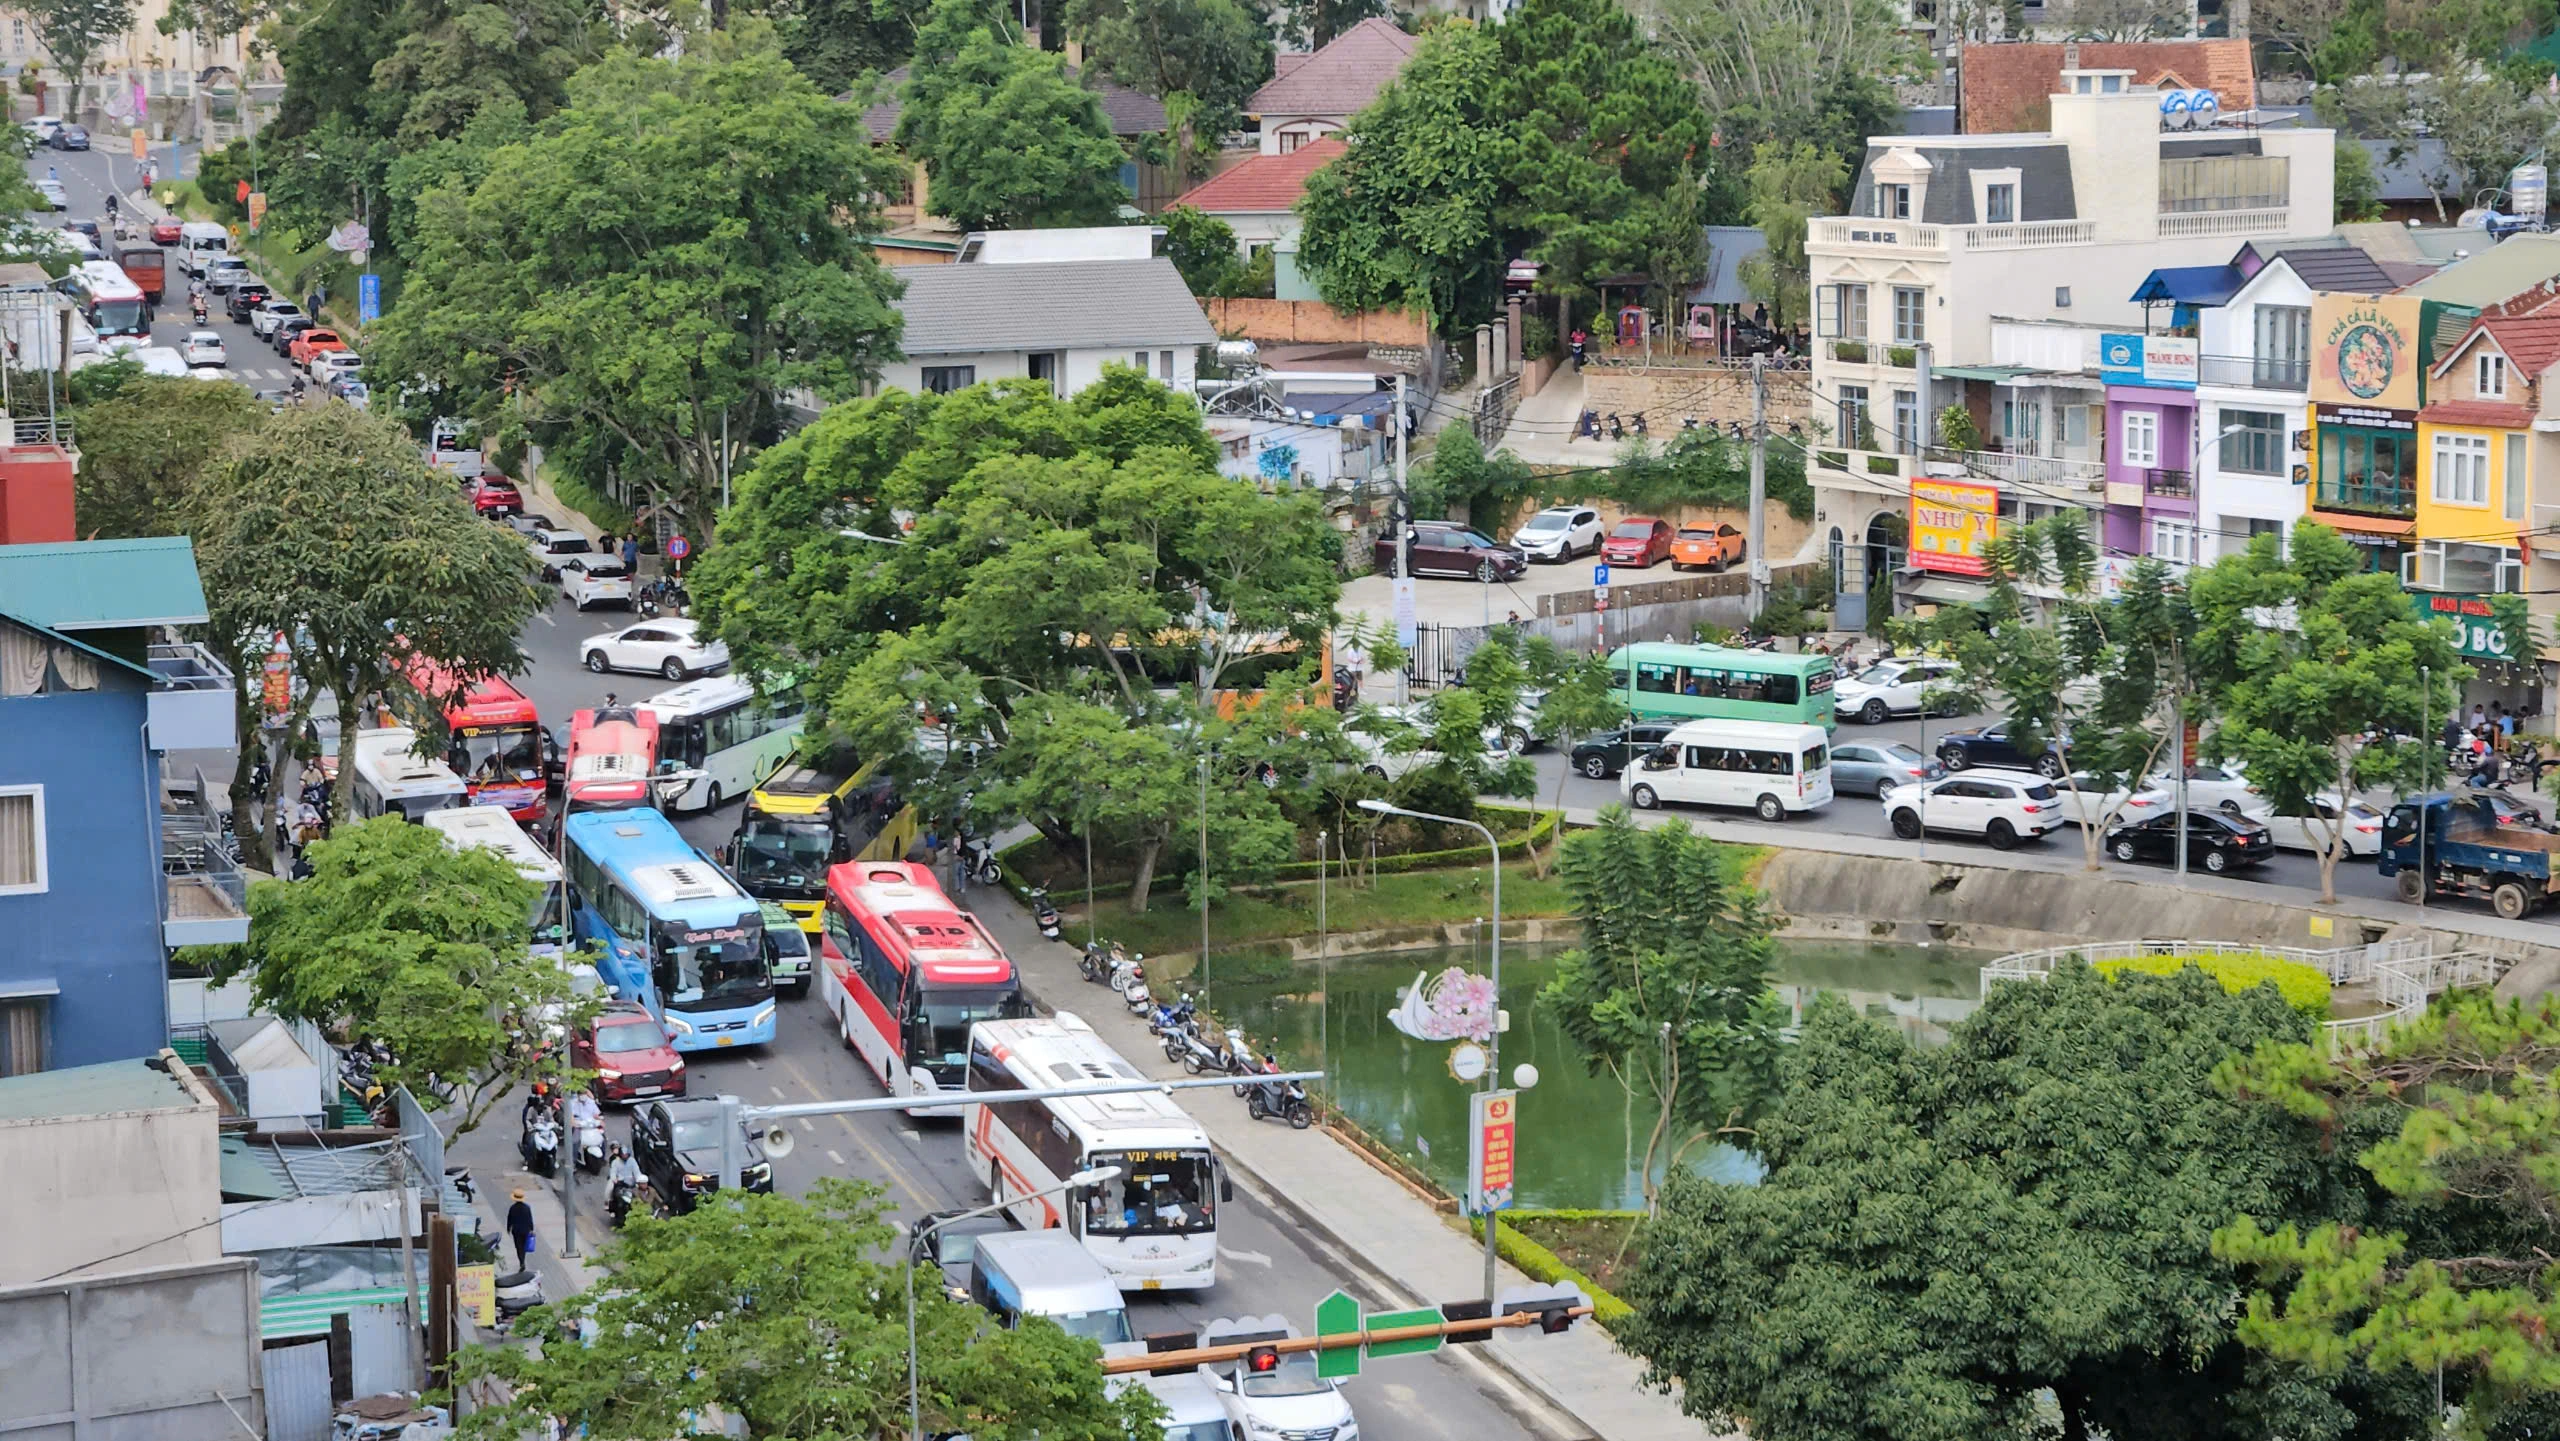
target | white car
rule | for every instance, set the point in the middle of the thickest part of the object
(53, 193)
(160, 360)
(1288, 1399)
(43, 128)
(2223, 787)
(554, 546)
(2088, 803)
(204, 347)
(2362, 833)
(1890, 688)
(1560, 532)
(331, 366)
(2002, 807)
(667, 647)
(268, 314)
(594, 580)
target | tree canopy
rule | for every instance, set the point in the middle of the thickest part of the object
(1007, 138)
(145, 448)
(1946, 1238)
(1216, 52)
(620, 274)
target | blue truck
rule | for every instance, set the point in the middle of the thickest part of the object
(2470, 844)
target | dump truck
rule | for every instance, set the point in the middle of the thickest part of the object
(2469, 844)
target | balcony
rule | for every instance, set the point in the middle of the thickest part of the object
(1867, 352)
(2031, 235)
(1864, 233)
(2176, 484)
(1904, 236)
(2038, 470)
(2207, 224)
(205, 894)
(2377, 495)
(195, 706)
(2255, 373)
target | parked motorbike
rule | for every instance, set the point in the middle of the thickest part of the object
(1129, 978)
(459, 1178)
(1617, 427)
(1045, 915)
(1199, 1055)
(518, 1292)
(1346, 689)
(1280, 1100)
(978, 860)
(1097, 961)
(540, 1146)
(1247, 1063)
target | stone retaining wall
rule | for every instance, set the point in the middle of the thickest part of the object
(1668, 393)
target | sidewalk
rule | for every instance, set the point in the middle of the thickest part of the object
(1542, 428)
(490, 1152)
(1340, 1195)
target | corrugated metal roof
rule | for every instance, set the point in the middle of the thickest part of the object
(102, 584)
(304, 1170)
(98, 1090)
(1051, 305)
(2487, 276)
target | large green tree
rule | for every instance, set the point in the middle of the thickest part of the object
(327, 528)
(1787, 70)
(627, 273)
(396, 937)
(1007, 138)
(787, 1316)
(1948, 1241)
(1790, 182)
(1216, 52)
(145, 448)
(1070, 565)
(1668, 994)
(71, 32)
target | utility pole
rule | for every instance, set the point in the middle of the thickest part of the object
(2426, 776)
(1759, 484)
(2178, 742)
(409, 1303)
(1402, 519)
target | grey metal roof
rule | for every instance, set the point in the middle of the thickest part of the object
(303, 1169)
(2044, 181)
(2338, 269)
(1049, 305)
(103, 1089)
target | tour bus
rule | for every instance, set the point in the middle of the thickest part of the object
(720, 728)
(906, 973)
(107, 298)
(393, 779)
(1155, 1227)
(1772, 770)
(809, 815)
(496, 740)
(493, 827)
(674, 932)
(612, 750)
(1663, 680)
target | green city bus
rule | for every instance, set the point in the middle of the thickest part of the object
(1683, 682)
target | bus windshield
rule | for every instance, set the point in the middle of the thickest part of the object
(416, 806)
(498, 753)
(117, 317)
(714, 974)
(1158, 1193)
(546, 916)
(785, 855)
(944, 1019)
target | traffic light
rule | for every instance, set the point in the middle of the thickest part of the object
(1553, 1305)
(1262, 1360)
(1467, 1311)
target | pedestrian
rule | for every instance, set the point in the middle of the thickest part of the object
(2479, 715)
(631, 554)
(2507, 724)
(520, 1229)
(1580, 340)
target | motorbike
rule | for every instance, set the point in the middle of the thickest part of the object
(1617, 427)
(978, 860)
(1098, 960)
(518, 1292)
(540, 1146)
(459, 1178)
(1280, 1100)
(617, 1204)
(1199, 1055)
(591, 1148)
(1129, 978)
(1346, 688)
(1044, 914)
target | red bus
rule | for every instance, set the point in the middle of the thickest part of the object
(494, 742)
(612, 750)
(906, 973)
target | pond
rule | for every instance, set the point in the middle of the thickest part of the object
(1582, 1137)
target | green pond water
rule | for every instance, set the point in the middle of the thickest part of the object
(1581, 1140)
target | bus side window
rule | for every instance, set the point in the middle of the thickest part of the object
(1747, 687)
(1658, 679)
(1779, 689)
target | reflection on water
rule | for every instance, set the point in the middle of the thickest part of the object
(1582, 1138)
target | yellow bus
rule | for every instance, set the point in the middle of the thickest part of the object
(805, 816)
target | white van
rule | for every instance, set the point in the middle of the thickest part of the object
(393, 779)
(1048, 1273)
(1773, 770)
(199, 242)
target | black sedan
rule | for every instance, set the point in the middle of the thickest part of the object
(1608, 753)
(677, 1144)
(2217, 841)
(71, 137)
(1997, 745)
(241, 299)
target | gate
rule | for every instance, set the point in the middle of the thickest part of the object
(297, 1379)
(1439, 655)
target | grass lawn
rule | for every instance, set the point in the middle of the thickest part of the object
(1586, 1242)
(1416, 898)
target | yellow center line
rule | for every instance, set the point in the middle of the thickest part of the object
(894, 1171)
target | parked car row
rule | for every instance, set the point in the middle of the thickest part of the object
(1556, 534)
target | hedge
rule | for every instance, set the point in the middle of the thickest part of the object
(2303, 987)
(1542, 1265)
(1545, 826)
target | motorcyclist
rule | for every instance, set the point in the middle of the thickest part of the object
(111, 207)
(538, 1103)
(621, 1176)
(585, 1113)
(203, 317)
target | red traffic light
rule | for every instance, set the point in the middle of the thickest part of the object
(1262, 1360)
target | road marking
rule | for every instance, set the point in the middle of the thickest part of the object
(1256, 1257)
(894, 1171)
(804, 1125)
(911, 1136)
(836, 1156)
(777, 1094)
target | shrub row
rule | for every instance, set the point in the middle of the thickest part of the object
(1542, 1265)
(1536, 835)
(2303, 987)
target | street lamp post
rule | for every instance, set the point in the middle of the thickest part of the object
(1493, 1047)
(1081, 1179)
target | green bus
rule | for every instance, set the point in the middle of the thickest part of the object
(1683, 682)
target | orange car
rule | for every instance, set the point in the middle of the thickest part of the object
(312, 342)
(1713, 547)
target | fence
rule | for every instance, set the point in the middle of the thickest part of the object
(1494, 406)
(2404, 973)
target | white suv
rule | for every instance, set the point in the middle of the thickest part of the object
(2002, 807)
(595, 580)
(551, 547)
(1889, 688)
(1559, 532)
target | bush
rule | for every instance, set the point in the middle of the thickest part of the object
(1538, 338)
(1544, 1266)
(2303, 987)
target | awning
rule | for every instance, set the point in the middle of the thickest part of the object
(2190, 285)
(2348, 524)
(1993, 373)
(1946, 590)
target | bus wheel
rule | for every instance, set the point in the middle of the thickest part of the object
(714, 797)
(1770, 809)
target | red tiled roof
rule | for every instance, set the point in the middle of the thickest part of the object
(2006, 86)
(1262, 184)
(1340, 79)
(2479, 412)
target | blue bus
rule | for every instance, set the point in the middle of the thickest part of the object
(675, 932)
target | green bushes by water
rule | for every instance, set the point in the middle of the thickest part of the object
(2303, 987)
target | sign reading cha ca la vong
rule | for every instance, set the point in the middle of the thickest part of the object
(2364, 350)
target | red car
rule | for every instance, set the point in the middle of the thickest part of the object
(629, 1054)
(495, 495)
(164, 232)
(1639, 541)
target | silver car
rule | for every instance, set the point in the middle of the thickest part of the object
(1560, 532)
(1862, 768)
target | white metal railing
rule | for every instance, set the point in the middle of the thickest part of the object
(1894, 234)
(2404, 973)
(2036, 469)
(2029, 235)
(2223, 222)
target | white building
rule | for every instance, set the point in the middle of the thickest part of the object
(1051, 305)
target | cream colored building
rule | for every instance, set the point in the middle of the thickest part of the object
(174, 72)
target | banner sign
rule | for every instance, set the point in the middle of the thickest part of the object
(1492, 1130)
(2476, 632)
(1952, 524)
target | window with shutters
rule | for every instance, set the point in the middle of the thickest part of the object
(2141, 438)
(22, 847)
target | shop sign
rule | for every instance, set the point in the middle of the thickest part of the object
(2364, 350)
(2476, 632)
(2365, 417)
(1952, 525)
(2161, 361)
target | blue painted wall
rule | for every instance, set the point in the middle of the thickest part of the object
(95, 930)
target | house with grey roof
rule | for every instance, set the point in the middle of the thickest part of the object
(1058, 320)
(1132, 114)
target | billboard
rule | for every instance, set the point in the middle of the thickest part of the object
(2364, 351)
(2476, 632)
(2163, 362)
(1952, 523)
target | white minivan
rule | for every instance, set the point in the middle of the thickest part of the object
(200, 243)
(1771, 769)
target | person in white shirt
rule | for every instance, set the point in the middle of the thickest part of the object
(584, 1111)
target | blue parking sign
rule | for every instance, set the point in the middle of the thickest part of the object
(1600, 574)
(369, 298)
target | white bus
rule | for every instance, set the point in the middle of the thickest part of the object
(492, 827)
(720, 727)
(107, 298)
(393, 779)
(1772, 769)
(1156, 1227)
